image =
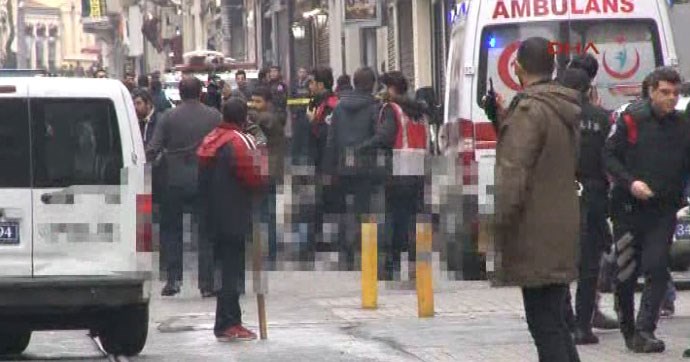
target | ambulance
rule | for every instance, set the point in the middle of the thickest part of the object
(628, 37)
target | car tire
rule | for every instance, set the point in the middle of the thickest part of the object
(125, 331)
(12, 343)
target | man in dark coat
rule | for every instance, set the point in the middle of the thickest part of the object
(229, 177)
(175, 140)
(647, 155)
(537, 211)
(272, 125)
(352, 151)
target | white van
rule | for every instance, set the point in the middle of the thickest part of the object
(74, 213)
(632, 37)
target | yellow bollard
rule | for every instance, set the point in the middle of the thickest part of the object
(425, 287)
(369, 266)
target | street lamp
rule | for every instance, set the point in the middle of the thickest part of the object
(321, 19)
(298, 31)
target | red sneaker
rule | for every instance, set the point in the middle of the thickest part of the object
(237, 333)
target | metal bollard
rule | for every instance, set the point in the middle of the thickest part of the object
(369, 265)
(425, 287)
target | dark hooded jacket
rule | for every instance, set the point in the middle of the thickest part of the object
(537, 207)
(353, 139)
(230, 178)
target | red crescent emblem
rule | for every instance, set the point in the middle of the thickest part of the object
(624, 75)
(503, 66)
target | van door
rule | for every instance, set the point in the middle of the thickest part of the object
(15, 182)
(77, 158)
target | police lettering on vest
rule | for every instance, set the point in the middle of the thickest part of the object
(510, 9)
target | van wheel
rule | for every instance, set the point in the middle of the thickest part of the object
(125, 331)
(14, 342)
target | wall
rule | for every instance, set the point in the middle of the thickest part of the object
(679, 15)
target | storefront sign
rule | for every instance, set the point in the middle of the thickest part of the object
(365, 13)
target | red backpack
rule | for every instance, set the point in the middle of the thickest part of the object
(411, 142)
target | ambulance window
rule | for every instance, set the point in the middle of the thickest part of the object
(76, 142)
(498, 52)
(627, 50)
(15, 160)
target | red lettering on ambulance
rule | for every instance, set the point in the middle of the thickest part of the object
(610, 6)
(574, 9)
(627, 6)
(501, 10)
(593, 7)
(564, 7)
(541, 7)
(520, 11)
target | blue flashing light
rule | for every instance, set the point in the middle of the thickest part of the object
(492, 42)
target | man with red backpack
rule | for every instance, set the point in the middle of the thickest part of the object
(231, 173)
(405, 187)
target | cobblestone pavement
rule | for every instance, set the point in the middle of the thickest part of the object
(316, 316)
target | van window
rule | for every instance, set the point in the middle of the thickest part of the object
(622, 42)
(75, 142)
(14, 144)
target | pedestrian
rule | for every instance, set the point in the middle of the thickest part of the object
(646, 153)
(319, 112)
(146, 113)
(343, 84)
(242, 90)
(175, 139)
(129, 81)
(278, 87)
(405, 188)
(537, 214)
(272, 124)
(353, 148)
(228, 183)
(300, 122)
(160, 100)
(595, 235)
(143, 82)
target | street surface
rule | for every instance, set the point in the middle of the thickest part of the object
(316, 316)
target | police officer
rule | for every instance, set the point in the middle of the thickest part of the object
(594, 235)
(646, 153)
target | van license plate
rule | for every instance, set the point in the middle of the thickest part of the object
(9, 233)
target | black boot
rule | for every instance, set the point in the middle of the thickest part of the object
(585, 336)
(602, 321)
(646, 342)
(170, 289)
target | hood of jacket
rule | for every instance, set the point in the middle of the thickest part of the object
(562, 101)
(354, 101)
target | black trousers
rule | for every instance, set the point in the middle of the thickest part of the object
(177, 200)
(404, 200)
(648, 254)
(355, 198)
(544, 308)
(595, 237)
(230, 255)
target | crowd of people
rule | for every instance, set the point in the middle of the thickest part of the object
(630, 166)
(221, 155)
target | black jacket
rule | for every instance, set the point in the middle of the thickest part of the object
(594, 127)
(353, 140)
(659, 157)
